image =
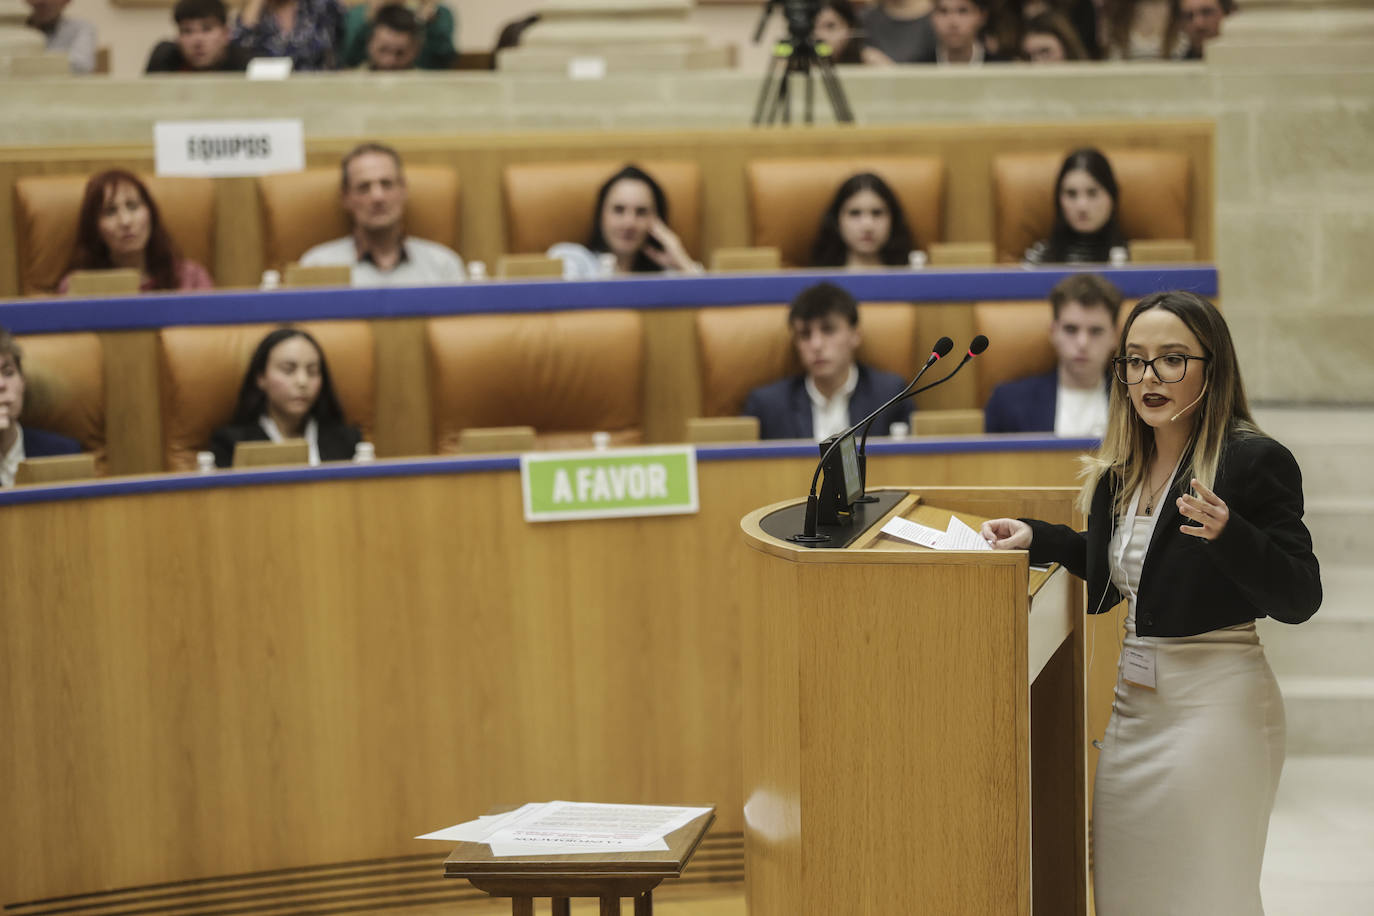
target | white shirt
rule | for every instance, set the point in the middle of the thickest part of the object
(975, 59)
(831, 415)
(9, 462)
(423, 263)
(312, 435)
(1081, 411)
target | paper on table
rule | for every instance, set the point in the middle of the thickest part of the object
(959, 536)
(542, 848)
(477, 831)
(917, 534)
(584, 822)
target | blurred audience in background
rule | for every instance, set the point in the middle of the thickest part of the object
(75, 38)
(19, 443)
(372, 188)
(1198, 22)
(287, 393)
(1048, 39)
(1086, 227)
(203, 43)
(429, 25)
(120, 227)
(310, 32)
(864, 226)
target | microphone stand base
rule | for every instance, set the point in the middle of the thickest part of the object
(787, 524)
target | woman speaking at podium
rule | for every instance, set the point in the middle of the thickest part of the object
(1195, 520)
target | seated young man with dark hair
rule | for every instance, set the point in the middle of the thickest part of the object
(1072, 399)
(834, 392)
(395, 40)
(18, 444)
(202, 44)
(958, 26)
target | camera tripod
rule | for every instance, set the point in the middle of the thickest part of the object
(800, 54)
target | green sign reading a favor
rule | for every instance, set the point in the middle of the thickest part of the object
(607, 484)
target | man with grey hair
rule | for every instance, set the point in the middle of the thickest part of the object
(373, 191)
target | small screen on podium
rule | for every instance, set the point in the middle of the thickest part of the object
(853, 480)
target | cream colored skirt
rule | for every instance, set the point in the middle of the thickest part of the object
(1186, 780)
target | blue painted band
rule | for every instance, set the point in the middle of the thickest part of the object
(415, 467)
(638, 292)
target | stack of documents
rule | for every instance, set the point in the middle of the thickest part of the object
(562, 827)
(957, 536)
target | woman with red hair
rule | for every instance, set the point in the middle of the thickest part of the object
(120, 227)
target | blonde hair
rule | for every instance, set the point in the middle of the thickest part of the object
(1224, 411)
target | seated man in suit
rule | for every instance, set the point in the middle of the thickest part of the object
(17, 443)
(1072, 399)
(834, 392)
(373, 189)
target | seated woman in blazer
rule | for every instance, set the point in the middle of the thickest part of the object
(287, 394)
(1195, 520)
(19, 443)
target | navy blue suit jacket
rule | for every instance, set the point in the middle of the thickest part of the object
(784, 407)
(1023, 406)
(40, 443)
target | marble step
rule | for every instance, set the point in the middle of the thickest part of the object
(1332, 446)
(1342, 530)
(1329, 715)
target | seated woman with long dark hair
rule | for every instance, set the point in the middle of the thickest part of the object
(119, 226)
(864, 226)
(287, 393)
(1086, 225)
(631, 222)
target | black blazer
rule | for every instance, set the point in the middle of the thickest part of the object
(784, 407)
(1261, 565)
(1026, 405)
(39, 443)
(337, 441)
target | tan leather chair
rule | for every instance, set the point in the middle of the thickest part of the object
(1020, 335)
(203, 367)
(46, 208)
(1155, 186)
(64, 387)
(567, 374)
(302, 209)
(551, 202)
(788, 197)
(743, 347)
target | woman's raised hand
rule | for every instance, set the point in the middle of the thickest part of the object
(1007, 534)
(1209, 512)
(673, 256)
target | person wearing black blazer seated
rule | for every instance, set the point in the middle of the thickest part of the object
(287, 393)
(1195, 520)
(834, 392)
(20, 443)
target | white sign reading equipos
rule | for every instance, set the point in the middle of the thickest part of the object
(224, 149)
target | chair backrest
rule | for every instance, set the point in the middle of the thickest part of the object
(742, 347)
(1155, 188)
(64, 387)
(567, 374)
(202, 368)
(788, 197)
(1020, 332)
(551, 202)
(302, 209)
(46, 208)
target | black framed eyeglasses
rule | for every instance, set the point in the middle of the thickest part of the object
(1169, 368)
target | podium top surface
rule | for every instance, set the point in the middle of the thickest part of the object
(475, 860)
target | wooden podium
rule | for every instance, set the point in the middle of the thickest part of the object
(913, 719)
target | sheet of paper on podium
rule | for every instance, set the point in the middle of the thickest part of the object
(561, 827)
(957, 536)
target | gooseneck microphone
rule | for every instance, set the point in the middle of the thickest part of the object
(937, 353)
(941, 348)
(977, 346)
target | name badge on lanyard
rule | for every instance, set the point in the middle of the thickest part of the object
(1138, 666)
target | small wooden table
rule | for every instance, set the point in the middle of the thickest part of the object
(608, 876)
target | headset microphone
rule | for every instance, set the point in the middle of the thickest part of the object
(1192, 405)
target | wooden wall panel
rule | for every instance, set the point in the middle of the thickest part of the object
(219, 681)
